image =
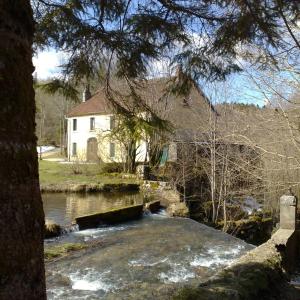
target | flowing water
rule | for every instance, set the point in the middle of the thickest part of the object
(145, 259)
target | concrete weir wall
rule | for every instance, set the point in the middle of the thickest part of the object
(110, 217)
(261, 273)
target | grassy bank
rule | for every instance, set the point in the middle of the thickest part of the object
(55, 176)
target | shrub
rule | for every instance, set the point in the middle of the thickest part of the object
(112, 167)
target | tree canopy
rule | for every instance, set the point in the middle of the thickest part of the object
(205, 37)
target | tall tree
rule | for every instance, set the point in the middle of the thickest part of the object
(131, 33)
(21, 212)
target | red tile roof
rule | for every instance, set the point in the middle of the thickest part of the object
(97, 104)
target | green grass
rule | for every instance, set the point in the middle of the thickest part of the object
(57, 173)
(55, 154)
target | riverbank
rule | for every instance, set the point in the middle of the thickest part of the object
(58, 177)
(89, 187)
(259, 274)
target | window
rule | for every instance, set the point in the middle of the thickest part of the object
(74, 149)
(112, 122)
(74, 124)
(92, 123)
(112, 149)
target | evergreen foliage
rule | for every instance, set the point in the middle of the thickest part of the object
(131, 33)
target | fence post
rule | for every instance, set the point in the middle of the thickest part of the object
(288, 212)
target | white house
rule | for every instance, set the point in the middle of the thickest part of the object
(89, 126)
(90, 123)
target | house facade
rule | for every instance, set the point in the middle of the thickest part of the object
(89, 137)
(90, 124)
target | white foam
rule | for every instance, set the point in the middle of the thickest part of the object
(234, 251)
(144, 263)
(216, 257)
(209, 262)
(101, 231)
(176, 274)
(188, 248)
(91, 280)
(162, 213)
(55, 293)
(86, 285)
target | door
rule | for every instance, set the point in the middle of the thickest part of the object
(92, 150)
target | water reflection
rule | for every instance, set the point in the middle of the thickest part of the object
(64, 208)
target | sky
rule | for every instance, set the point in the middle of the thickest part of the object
(47, 64)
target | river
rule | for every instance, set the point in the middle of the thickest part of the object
(63, 208)
(144, 259)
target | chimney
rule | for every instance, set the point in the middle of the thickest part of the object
(86, 95)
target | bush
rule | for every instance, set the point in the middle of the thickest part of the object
(79, 166)
(112, 167)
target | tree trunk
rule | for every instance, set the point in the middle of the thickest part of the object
(21, 211)
(213, 176)
(131, 157)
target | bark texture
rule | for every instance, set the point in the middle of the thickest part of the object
(21, 211)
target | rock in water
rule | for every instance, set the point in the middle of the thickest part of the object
(52, 229)
(178, 210)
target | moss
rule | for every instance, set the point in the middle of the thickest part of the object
(216, 293)
(254, 230)
(189, 293)
(149, 198)
(62, 250)
(154, 185)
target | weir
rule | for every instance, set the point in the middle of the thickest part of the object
(150, 258)
(113, 216)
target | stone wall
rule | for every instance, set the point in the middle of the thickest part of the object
(169, 198)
